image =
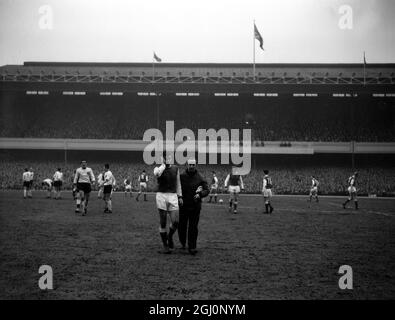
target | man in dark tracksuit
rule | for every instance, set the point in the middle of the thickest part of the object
(194, 188)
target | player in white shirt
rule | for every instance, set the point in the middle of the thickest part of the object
(267, 191)
(214, 188)
(47, 184)
(83, 180)
(352, 191)
(234, 184)
(314, 189)
(100, 183)
(57, 183)
(128, 187)
(108, 185)
(143, 180)
(27, 179)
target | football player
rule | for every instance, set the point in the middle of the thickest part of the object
(83, 180)
(314, 189)
(143, 179)
(168, 199)
(108, 185)
(47, 184)
(352, 191)
(213, 188)
(128, 187)
(267, 191)
(234, 184)
(57, 183)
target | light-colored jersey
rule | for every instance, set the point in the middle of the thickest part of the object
(314, 183)
(48, 182)
(127, 182)
(27, 176)
(108, 178)
(214, 181)
(58, 176)
(84, 175)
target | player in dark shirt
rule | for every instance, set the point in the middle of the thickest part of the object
(168, 198)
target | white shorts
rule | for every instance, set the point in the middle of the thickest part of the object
(128, 187)
(351, 189)
(167, 201)
(313, 190)
(267, 193)
(214, 188)
(234, 189)
(143, 185)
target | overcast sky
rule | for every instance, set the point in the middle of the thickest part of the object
(196, 31)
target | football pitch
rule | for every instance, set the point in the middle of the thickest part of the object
(294, 253)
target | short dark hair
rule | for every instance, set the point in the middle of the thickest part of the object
(265, 171)
(59, 169)
(107, 166)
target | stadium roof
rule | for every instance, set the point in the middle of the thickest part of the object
(271, 73)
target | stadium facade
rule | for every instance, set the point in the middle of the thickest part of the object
(348, 83)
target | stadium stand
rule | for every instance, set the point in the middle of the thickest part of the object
(127, 117)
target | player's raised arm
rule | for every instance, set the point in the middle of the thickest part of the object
(226, 181)
(159, 170)
(179, 190)
(241, 183)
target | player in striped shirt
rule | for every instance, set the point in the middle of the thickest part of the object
(83, 180)
(267, 191)
(352, 191)
(58, 182)
(213, 188)
(108, 185)
(314, 189)
(143, 179)
(234, 184)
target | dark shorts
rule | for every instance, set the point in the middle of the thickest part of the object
(107, 189)
(85, 187)
(26, 184)
(57, 184)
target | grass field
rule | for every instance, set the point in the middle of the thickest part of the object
(295, 253)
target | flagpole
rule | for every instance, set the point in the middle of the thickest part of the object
(364, 69)
(253, 41)
(153, 68)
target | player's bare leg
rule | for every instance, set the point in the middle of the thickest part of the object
(86, 196)
(162, 231)
(78, 200)
(235, 202)
(24, 192)
(347, 201)
(174, 218)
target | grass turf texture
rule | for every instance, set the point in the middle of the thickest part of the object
(294, 253)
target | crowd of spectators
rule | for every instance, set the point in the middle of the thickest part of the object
(286, 179)
(129, 117)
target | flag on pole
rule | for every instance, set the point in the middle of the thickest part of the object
(364, 58)
(157, 59)
(258, 36)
